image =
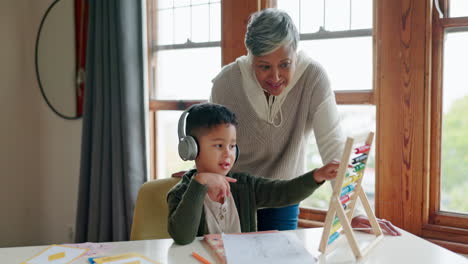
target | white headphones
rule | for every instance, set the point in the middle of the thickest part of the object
(188, 146)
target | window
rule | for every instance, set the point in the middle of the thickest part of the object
(454, 152)
(328, 31)
(448, 206)
(451, 40)
(184, 35)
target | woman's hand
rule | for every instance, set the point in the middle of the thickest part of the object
(327, 172)
(362, 223)
(218, 185)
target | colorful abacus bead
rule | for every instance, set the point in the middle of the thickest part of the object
(346, 205)
(345, 198)
(335, 228)
(333, 237)
(336, 220)
(362, 149)
(359, 158)
(350, 180)
(359, 167)
(347, 189)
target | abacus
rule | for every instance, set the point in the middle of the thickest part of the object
(346, 191)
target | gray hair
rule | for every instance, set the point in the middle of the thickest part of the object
(268, 30)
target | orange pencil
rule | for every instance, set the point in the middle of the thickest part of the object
(200, 258)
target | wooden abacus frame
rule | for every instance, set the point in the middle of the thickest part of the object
(345, 216)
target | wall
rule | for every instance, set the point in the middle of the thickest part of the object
(39, 152)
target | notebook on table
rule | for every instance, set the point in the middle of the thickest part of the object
(216, 244)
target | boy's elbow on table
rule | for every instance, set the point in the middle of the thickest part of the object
(180, 239)
(183, 240)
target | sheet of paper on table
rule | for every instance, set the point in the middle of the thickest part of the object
(267, 248)
(57, 254)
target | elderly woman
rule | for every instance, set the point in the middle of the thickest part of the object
(280, 96)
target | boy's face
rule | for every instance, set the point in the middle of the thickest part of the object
(217, 151)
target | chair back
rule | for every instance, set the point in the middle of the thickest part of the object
(151, 212)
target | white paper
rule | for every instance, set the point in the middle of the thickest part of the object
(266, 248)
(70, 254)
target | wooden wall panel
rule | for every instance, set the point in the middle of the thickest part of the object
(235, 16)
(401, 84)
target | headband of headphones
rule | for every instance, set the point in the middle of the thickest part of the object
(188, 146)
(181, 128)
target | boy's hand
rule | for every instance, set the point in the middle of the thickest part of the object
(178, 174)
(327, 172)
(218, 185)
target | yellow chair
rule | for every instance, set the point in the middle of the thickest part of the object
(150, 216)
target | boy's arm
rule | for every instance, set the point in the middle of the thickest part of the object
(278, 193)
(185, 205)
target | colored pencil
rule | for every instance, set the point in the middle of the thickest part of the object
(200, 258)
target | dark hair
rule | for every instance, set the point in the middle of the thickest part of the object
(205, 116)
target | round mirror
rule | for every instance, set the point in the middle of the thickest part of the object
(60, 57)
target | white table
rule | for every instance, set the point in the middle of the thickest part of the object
(404, 249)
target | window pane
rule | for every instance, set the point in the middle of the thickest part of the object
(454, 157)
(199, 2)
(215, 21)
(361, 14)
(292, 8)
(179, 3)
(165, 27)
(200, 23)
(311, 16)
(168, 156)
(346, 70)
(178, 76)
(182, 25)
(164, 4)
(458, 8)
(336, 15)
(357, 122)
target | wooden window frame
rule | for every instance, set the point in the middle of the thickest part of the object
(444, 228)
(409, 37)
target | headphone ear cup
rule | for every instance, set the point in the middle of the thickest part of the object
(237, 152)
(188, 148)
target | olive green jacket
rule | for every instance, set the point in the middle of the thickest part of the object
(185, 201)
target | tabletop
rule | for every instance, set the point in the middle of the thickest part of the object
(403, 249)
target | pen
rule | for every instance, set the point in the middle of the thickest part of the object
(200, 258)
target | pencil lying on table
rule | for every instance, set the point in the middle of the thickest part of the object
(200, 258)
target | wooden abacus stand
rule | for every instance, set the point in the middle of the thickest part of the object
(344, 215)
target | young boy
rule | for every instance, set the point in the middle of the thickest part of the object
(211, 199)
